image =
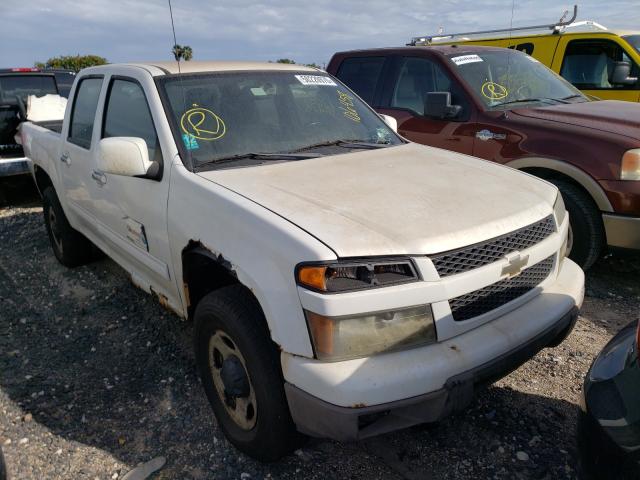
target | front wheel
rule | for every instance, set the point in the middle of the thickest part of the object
(240, 370)
(586, 231)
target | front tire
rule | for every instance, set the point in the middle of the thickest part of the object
(70, 247)
(240, 370)
(586, 237)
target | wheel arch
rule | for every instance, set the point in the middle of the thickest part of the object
(42, 179)
(548, 168)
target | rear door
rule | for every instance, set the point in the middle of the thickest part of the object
(588, 64)
(78, 152)
(412, 78)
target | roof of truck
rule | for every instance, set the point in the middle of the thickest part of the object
(170, 67)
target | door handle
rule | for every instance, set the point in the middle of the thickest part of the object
(64, 158)
(99, 177)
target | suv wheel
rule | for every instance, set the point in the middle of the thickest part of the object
(70, 247)
(586, 231)
(240, 370)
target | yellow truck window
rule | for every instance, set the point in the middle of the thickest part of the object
(591, 64)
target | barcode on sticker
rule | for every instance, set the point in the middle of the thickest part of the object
(466, 59)
(316, 80)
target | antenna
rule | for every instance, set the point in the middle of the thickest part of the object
(173, 27)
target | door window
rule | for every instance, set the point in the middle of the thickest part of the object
(419, 76)
(84, 112)
(589, 64)
(362, 75)
(128, 115)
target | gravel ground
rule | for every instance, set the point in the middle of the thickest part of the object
(96, 378)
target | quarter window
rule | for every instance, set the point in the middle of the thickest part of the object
(362, 75)
(589, 64)
(128, 115)
(84, 111)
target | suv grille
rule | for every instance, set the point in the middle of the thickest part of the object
(489, 298)
(480, 254)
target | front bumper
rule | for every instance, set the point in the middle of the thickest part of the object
(363, 397)
(622, 231)
(318, 418)
(14, 166)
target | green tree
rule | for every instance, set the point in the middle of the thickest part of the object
(285, 60)
(181, 52)
(72, 62)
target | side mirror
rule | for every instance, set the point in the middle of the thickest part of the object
(390, 121)
(126, 156)
(438, 105)
(620, 75)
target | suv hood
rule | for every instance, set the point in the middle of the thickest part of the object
(409, 199)
(610, 116)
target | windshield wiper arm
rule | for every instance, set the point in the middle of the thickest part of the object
(261, 156)
(343, 143)
(577, 95)
(541, 99)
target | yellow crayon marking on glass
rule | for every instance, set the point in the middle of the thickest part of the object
(494, 91)
(348, 106)
(203, 124)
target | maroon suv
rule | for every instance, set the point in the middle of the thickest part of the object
(503, 105)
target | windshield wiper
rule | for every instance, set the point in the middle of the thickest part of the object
(525, 100)
(343, 143)
(577, 95)
(268, 157)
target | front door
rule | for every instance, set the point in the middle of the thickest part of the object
(414, 78)
(131, 212)
(589, 64)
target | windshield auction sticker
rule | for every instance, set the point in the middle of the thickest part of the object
(494, 91)
(316, 80)
(203, 124)
(461, 60)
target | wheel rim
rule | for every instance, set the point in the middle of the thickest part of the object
(229, 373)
(55, 229)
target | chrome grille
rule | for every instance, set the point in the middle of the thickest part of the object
(489, 298)
(480, 254)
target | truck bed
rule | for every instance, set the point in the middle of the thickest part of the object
(53, 125)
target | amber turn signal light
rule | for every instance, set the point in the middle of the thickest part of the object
(313, 276)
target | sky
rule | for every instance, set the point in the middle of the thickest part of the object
(305, 31)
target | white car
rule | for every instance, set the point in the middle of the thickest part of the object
(343, 282)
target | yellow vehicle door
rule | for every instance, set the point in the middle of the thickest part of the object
(541, 47)
(595, 65)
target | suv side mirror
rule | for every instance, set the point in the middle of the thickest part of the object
(620, 75)
(438, 105)
(126, 156)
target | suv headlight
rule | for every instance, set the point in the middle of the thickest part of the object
(559, 210)
(362, 335)
(630, 168)
(346, 276)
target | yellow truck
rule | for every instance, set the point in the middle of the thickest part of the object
(602, 63)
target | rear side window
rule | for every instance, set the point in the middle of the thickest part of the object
(127, 115)
(362, 75)
(84, 111)
(589, 64)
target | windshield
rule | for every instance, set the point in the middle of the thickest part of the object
(511, 79)
(223, 115)
(634, 41)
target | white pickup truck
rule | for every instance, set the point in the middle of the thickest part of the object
(343, 282)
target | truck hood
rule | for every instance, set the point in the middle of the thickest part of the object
(612, 116)
(409, 199)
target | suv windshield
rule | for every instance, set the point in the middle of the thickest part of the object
(226, 116)
(510, 79)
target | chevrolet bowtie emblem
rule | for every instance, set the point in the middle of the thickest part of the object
(516, 263)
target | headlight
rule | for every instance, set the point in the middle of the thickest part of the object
(341, 338)
(342, 277)
(630, 169)
(559, 210)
